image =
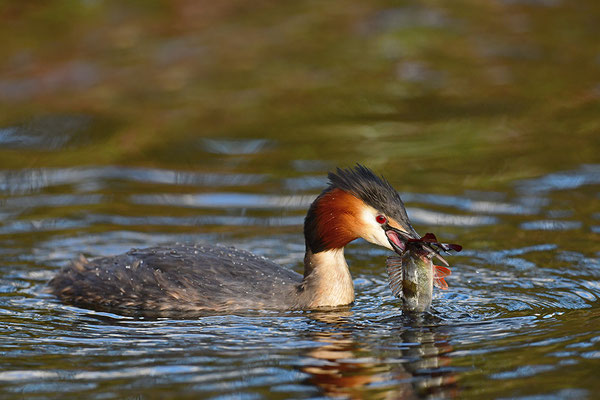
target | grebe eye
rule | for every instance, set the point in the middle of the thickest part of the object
(381, 219)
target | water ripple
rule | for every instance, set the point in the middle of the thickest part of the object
(474, 206)
(500, 300)
(32, 180)
(551, 225)
(585, 175)
(226, 200)
(428, 217)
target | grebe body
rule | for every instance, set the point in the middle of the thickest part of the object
(357, 203)
(181, 277)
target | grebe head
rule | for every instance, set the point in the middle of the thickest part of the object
(356, 204)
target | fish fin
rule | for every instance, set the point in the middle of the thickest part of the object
(430, 239)
(394, 270)
(439, 273)
(453, 246)
(395, 261)
(440, 283)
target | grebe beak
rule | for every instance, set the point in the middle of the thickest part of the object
(398, 239)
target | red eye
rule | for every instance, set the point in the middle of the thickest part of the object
(381, 219)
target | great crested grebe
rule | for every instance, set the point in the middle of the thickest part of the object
(356, 204)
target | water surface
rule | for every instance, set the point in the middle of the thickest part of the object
(143, 124)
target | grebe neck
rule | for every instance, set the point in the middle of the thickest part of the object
(327, 281)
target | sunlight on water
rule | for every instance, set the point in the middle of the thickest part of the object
(147, 124)
(498, 300)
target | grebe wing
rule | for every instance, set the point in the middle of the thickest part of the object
(181, 277)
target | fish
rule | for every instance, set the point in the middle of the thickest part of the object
(413, 275)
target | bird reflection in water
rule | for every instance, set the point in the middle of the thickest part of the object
(411, 367)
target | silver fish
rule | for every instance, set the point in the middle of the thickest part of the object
(412, 277)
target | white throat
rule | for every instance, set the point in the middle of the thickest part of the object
(327, 280)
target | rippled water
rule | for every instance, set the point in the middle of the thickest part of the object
(164, 122)
(516, 311)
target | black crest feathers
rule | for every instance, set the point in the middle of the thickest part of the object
(363, 184)
(375, 191)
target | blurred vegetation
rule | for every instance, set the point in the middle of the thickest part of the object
(476, 93)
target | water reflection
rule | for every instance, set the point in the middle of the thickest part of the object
(411, 364)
